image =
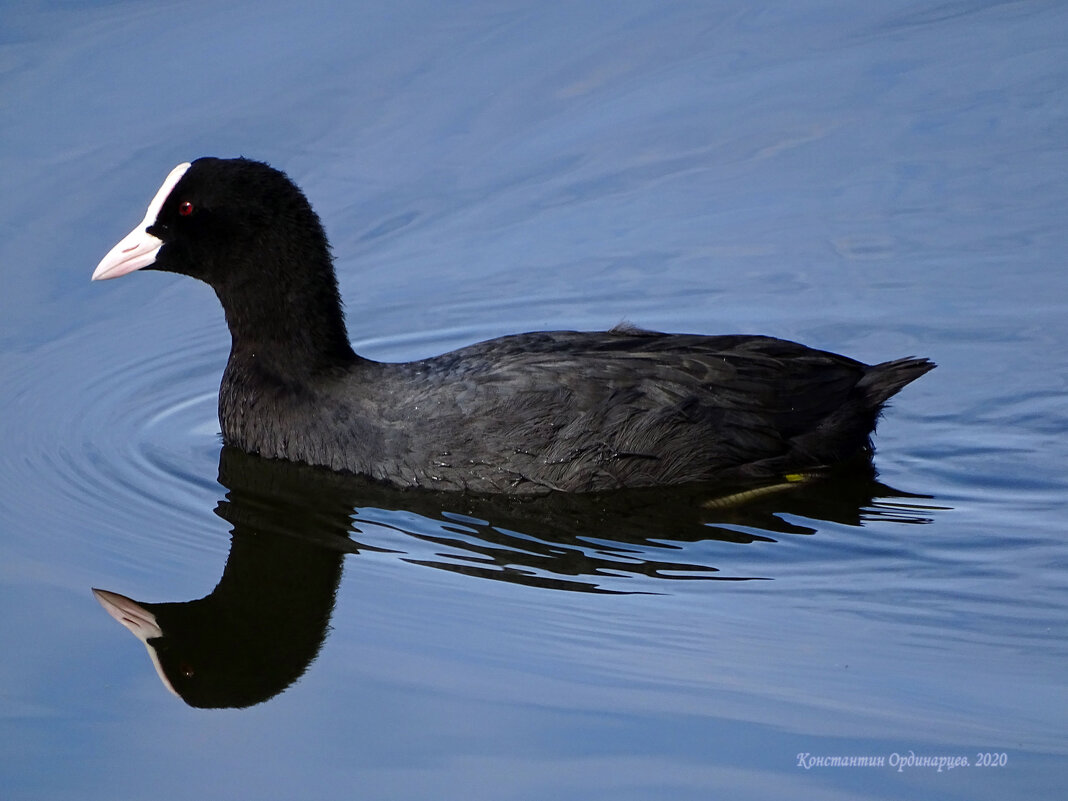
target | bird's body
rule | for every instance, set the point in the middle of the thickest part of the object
(528, 413)
(567, 410)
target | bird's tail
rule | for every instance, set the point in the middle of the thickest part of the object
(883, 381)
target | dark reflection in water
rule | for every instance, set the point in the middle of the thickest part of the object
(260, 628)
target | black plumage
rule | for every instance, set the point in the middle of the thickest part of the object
(528, 413)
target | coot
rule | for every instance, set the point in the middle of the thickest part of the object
(530, 413)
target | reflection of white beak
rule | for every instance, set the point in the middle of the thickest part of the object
(130, 614)
(138, 620)
(139, 248)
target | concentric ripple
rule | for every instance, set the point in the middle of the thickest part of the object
(122, 435)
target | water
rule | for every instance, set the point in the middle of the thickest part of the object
(879, 180)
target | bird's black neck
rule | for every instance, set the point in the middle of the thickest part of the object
(294, 328)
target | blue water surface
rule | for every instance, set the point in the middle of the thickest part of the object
(877, 179)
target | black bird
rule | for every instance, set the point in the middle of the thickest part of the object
(529, 413)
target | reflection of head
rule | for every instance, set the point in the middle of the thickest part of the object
(253, 636)
(263, 624)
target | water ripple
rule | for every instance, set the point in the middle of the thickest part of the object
(136, 447)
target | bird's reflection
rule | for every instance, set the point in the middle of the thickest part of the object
(292, 525)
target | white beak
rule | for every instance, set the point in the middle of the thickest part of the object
(139, 248)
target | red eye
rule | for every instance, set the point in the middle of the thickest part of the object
(185, 208)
